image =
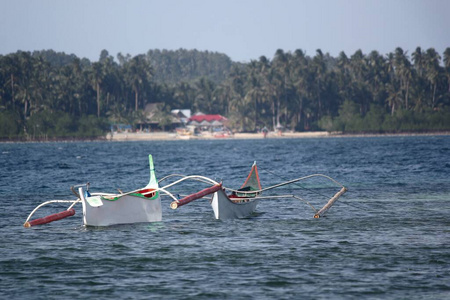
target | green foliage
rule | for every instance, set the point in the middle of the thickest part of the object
(348, 120)
(348, 111)
(56, 59)
(42, 124)
(182, 65)
(327, 123)
(48, 125)
(378, 121)
(374, 119)
(9, 127)
(48, 94)
(91, 126)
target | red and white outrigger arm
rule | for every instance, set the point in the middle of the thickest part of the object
(53, 217)
(208, 191)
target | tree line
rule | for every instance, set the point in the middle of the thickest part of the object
(49, 94)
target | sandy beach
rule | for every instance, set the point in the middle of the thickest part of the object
(170, 136)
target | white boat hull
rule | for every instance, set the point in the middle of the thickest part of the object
(127, 209)
(224, 208)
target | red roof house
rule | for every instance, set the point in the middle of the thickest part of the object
(207, 118)
(207, 122)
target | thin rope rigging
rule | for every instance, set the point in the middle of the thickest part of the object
(296, 184)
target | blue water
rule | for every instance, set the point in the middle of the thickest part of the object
(388, 237)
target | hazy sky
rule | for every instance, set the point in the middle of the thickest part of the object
(242, 29)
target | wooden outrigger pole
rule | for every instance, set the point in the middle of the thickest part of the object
(195, 196)
(53, 217)
(330, 203)
(50, 218)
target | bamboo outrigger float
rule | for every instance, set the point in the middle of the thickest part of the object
(144, 205)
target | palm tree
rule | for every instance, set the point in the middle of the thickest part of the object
(432, 69)
(97, 76)
(203, 100)
(403, 72)
(221, 96)
(282, 70)
(138, 74)
(447, 65)
(377, 76)
(301, 84)
(394, 98)
(183, 95)
(319, 68)
(254, 89)
(235, 87)
(266, 104)
(21, 79)
(359, 85)
(419, 61)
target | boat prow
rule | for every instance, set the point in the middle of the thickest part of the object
(240, 203)
(103, 209)
(225, 208)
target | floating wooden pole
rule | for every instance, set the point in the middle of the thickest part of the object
(330, 203)
(50, 218)
(195, 196)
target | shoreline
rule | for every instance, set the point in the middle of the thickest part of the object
(167, 136)
(170, 136)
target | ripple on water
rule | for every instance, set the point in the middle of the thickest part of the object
(385, 238)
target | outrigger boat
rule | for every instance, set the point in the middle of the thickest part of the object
(104, 209)
(242, 203)
(144, 205)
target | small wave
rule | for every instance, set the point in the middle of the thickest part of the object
(63, 166)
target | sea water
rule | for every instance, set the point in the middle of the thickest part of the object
(387, 237)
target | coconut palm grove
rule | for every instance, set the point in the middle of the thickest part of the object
(50, 95)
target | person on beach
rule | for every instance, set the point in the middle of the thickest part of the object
(265, 131)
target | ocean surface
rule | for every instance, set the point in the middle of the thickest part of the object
(388, 237)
